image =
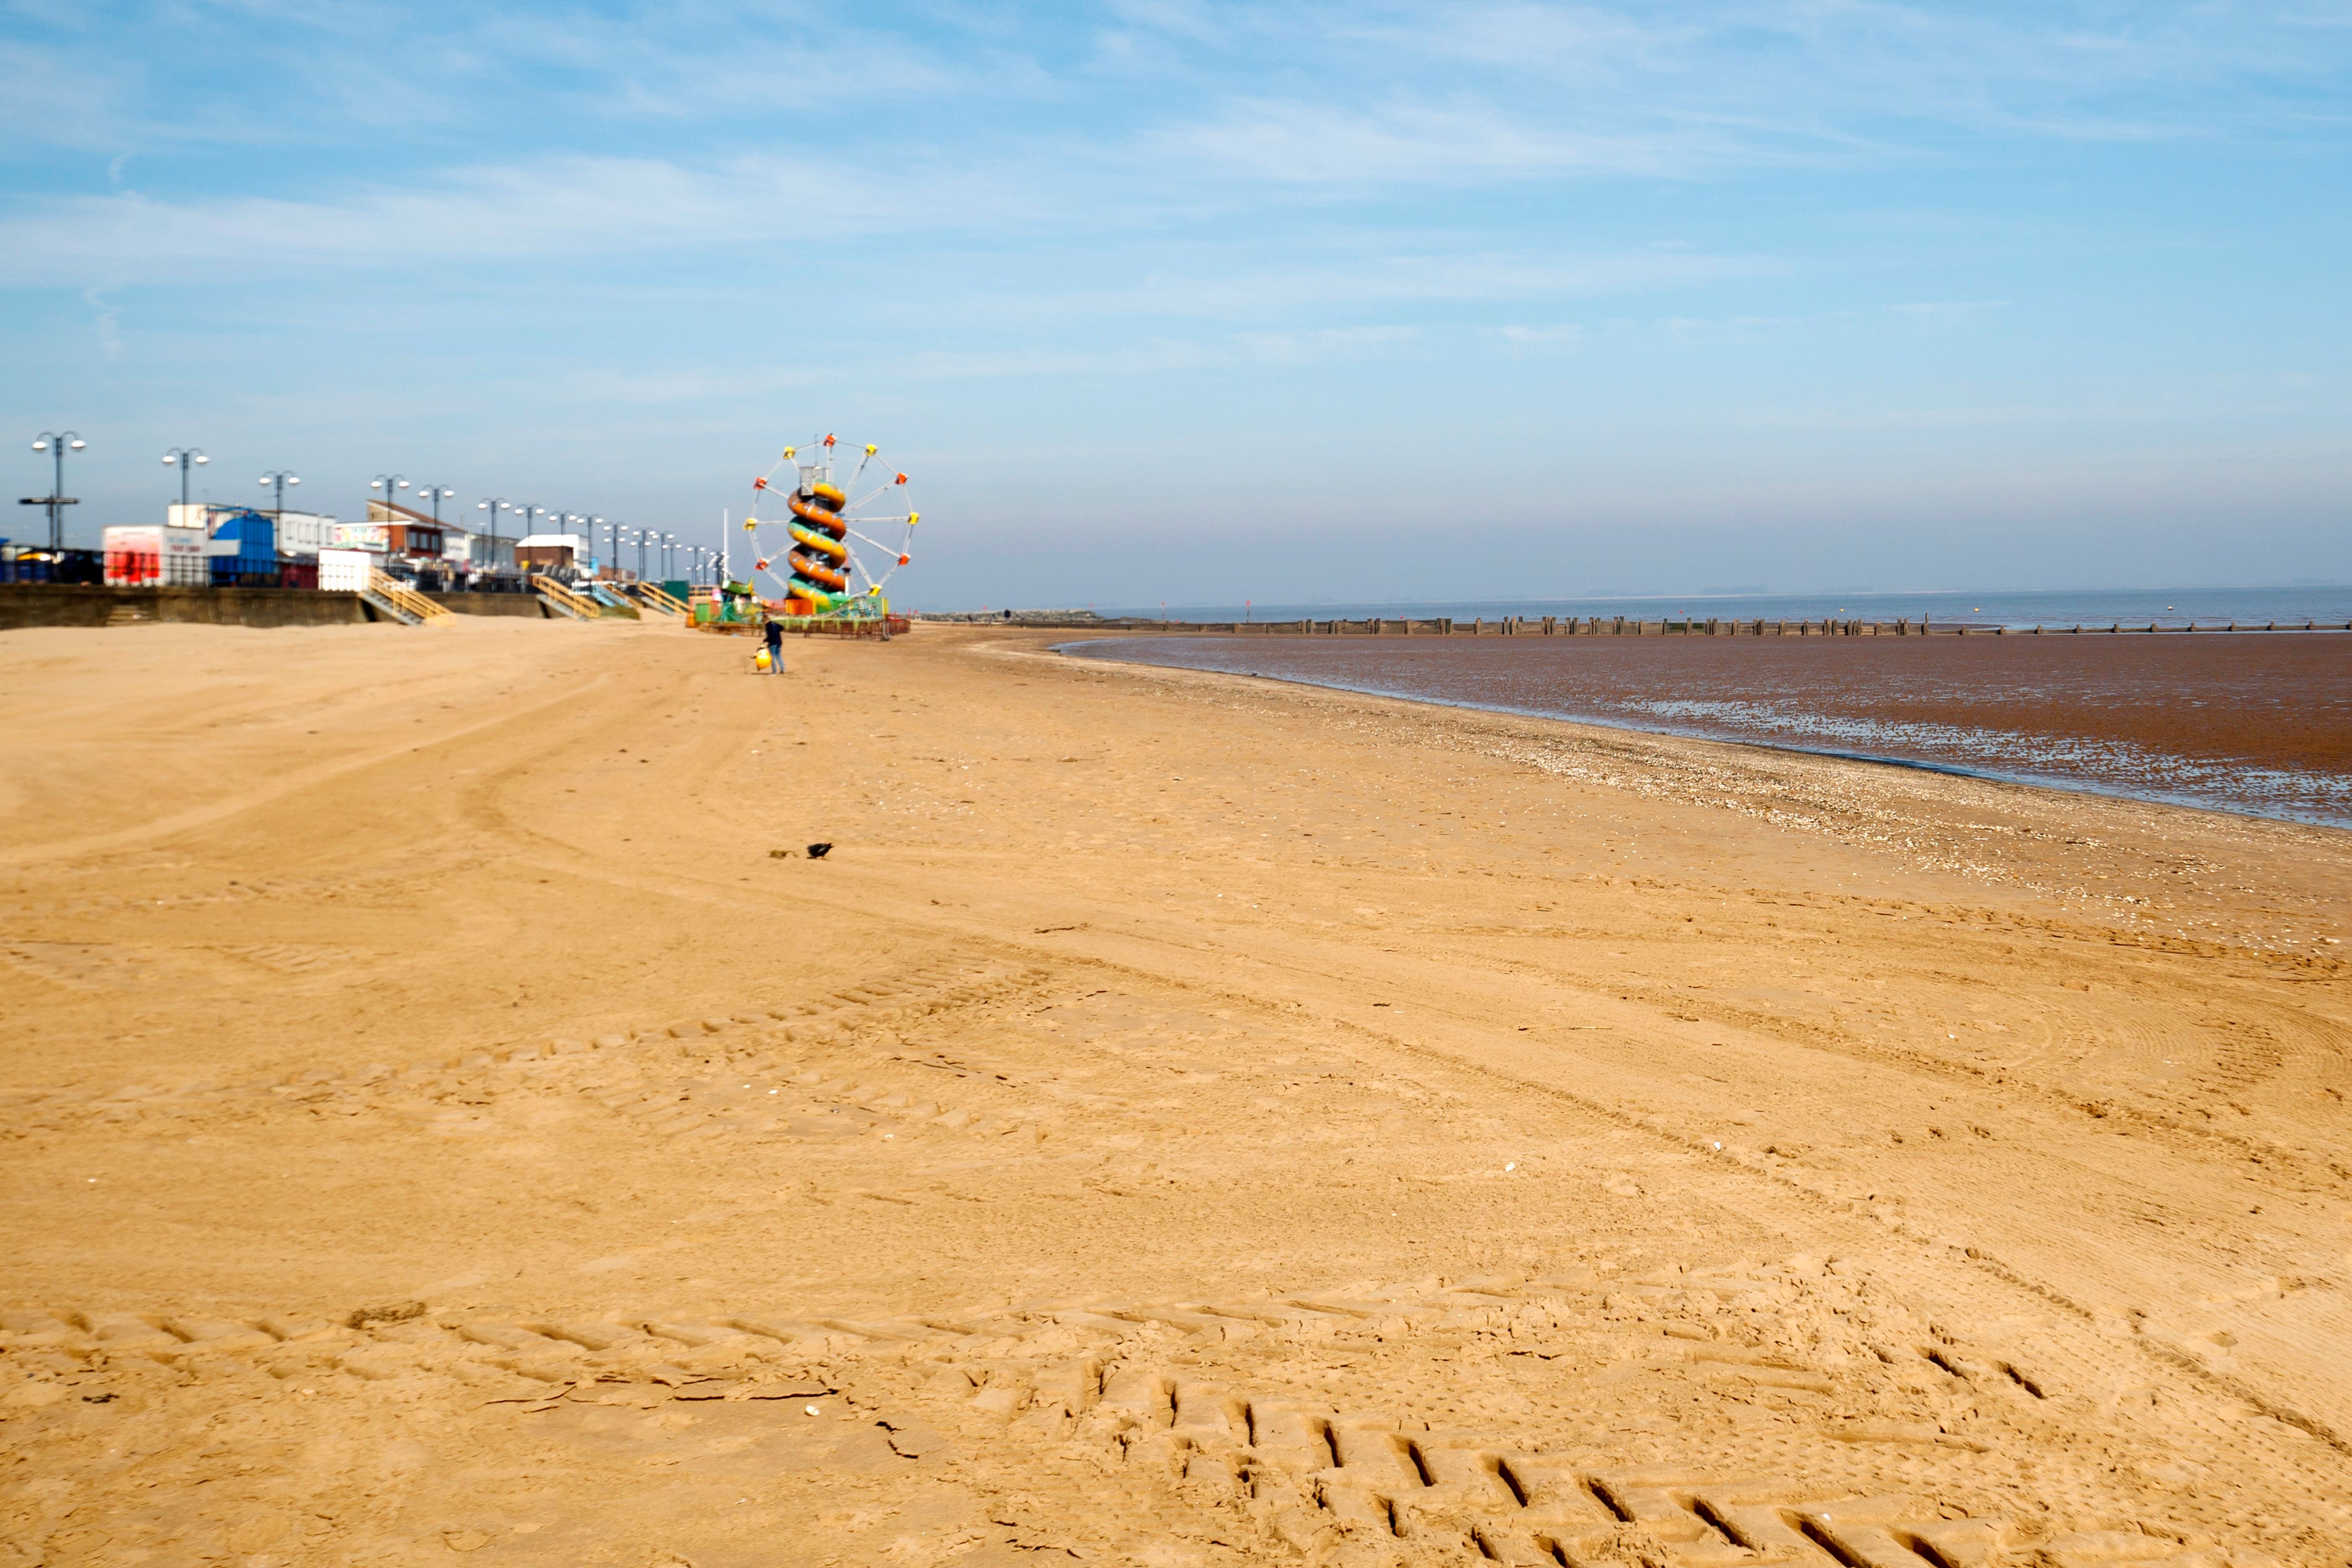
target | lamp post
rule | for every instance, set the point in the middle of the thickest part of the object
(612, 531)
(57, 444)
(530, 516)
(669, 546)
(494, 505)
(280, 478)
(436, 493)
(641, 552)
(388, 484)
(188, 458)
(594, 524)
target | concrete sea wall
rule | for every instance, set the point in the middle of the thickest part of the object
(528, 605)
(24, 604)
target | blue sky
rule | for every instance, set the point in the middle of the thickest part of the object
(1198, 301)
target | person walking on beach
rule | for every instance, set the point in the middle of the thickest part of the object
(774, 630)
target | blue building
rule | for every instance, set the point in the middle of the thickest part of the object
(243, 550)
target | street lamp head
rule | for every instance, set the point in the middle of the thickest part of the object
(169, 459)
(75, 443)
(293, 479)
(201, 458)
(41, 447)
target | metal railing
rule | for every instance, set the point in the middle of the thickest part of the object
(399, 593)
(579, 606)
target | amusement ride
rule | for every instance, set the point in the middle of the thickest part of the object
(829, 507)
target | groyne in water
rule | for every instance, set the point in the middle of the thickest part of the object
(1623, 626)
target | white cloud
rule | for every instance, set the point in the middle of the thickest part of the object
(53, 96)
(580, 207)
(1158, 357)
(1558, 337)
(1344, 277)
(1407, 142)
(1580, 43)
(1930, 309)
(1186, 19)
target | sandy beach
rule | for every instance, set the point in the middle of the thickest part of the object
(1187, 1118)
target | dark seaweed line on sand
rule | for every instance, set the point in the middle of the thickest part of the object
(1952, 769)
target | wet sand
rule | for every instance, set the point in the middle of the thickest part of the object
(2250, 723)
(1187, 1119)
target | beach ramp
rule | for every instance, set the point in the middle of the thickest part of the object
(577, 606)
(355, 571)
(652, 597)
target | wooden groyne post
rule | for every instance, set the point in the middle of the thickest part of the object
(1620, 626)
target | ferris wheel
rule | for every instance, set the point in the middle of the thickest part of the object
(830, 499)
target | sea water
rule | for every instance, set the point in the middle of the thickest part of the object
(2255, 723)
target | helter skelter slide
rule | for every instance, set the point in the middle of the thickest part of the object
(810, 552)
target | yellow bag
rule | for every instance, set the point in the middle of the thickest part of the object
(760, 660)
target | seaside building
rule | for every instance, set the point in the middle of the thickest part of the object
(417, 535)
(542, 552)
(462, 543)
(408, 533)
(302, 535)
(243, 546)
(141, 555)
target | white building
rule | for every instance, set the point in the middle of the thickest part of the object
(460, 543)
(147, 555)
(304, 533)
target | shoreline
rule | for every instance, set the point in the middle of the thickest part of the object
(1942, 823)
(2026, 776)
